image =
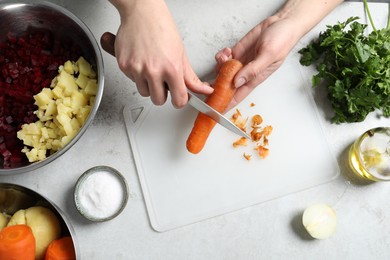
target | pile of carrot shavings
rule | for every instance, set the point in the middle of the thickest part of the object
(259, 134)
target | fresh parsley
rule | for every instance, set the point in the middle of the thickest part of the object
(353, 66)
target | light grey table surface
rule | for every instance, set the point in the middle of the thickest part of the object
(270, 230)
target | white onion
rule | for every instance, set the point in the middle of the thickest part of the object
(320, 220)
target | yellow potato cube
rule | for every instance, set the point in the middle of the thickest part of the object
(51, 133)
(58, 91)
(48, 144)
(36, 155)
(75, 124)
(92, 100)
(78, 101)
(66, 139)
(43, 97)
(91, 88)
(29, 140)
(57, 145)
(44, 133)
(69, 67)
(67, 82)
(82, 80)
(85, 68)
(40, 113)
(31, 129)
(64, 120)
(67, 101)
(62, 109)
(51, 108)
(83, 114)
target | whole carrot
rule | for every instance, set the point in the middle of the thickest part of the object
(17, 243)
(223, 93)
(61, 249)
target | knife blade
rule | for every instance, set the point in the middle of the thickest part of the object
(202, 107)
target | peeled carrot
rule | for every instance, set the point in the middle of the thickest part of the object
(223, 93)
(17, 242)
(61, 249)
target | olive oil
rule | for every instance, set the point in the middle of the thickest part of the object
(369, 155)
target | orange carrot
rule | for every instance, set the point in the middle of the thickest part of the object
(17, 242)
(61, 249)
(223, 93)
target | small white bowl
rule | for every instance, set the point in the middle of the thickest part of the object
(101, 193)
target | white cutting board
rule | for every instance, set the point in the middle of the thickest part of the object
(181, 188)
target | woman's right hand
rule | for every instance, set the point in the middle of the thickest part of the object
(150, 51)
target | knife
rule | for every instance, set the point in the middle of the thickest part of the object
(202, 107)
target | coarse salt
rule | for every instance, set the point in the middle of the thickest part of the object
(101, 195)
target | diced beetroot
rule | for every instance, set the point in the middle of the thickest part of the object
(28, 63)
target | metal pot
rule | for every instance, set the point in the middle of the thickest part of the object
(19, 17)
(15, 197)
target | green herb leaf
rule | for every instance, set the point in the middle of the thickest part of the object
(354, 67)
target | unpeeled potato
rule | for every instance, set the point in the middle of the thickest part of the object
(44, 224)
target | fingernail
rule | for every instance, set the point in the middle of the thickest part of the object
(222, 59)
(208, 88)
(239, 82)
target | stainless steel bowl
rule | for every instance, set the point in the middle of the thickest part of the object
(15, 197)
(20, 16)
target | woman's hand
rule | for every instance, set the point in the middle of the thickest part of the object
(262, 51)
(149, 51)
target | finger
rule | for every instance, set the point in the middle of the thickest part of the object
(252, 70)
(240, 95)
(107, 41)
(177, 89)
(193, 82)
(157, 91)
(222, 56)
(142, 86)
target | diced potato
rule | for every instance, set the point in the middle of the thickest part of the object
(51, 133)
(91, 88)
(58, 91)
(67, 101)
(36, 155)
(85, 68)
(68, 138)
(67, 83)
(78, 101)
(82, 80)
(31, 129)
(51, 108)
(83, 114)
(69, 67)
(43, 98)
(75, 124)
(57, 145)
(44, 133)
(92, 100)
(64, 120)
(62, 110)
